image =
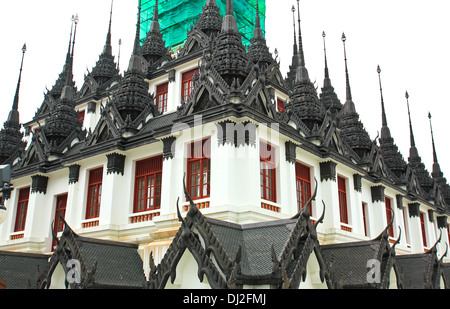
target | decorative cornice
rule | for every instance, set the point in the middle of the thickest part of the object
(39, 184)
(357, 184)
(328, 171)
(168, 147)
(414, 209)
(399, 199)
(377, 193)
(74, 173)
(290, 152)
(116, 163)
(442, 222)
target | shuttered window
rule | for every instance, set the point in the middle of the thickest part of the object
(147, 190)
(388, 204)
(22, 208)
(267, 172)
(342, 190)
(161, 97)
(187, 83)
(303, 185)
(94, 193)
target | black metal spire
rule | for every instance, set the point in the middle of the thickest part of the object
(295, 57)
(258, 50)
(413, 153)
(154, 47)
(436, 167)
(385, 132)
(14, 114)
(302, 72)
(347, 79)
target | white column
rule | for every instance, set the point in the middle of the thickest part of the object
(415, 229)
(377, 212)
(330, 197)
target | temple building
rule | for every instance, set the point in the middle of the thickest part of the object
(210, 168)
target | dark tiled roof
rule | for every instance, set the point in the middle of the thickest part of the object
(415, 269)
(349, 260)
(255, 241)
(118, 264)
(19, 270)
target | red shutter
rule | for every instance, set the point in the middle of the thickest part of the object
(342, 190)
(94, 193)
(58, 225)
(303, 185)
(199, 169)
(187, 83)
(148, 182)
(387, 202)
(268, 172)
(161, 97)
(364, 219)
(280, 105)
(422, 226)
(22, 208)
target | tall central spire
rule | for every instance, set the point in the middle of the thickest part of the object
(15, 106)
(347, 79)
(302, 72)
(436, 173)
(413, 153)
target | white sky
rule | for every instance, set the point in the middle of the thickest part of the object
(407, 38)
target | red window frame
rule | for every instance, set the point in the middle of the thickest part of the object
(81, 116)
(280, 105)
(22, 208)
(388, 204)
(303, 185)
(405, 223)
(364, 205)
(61, 206)
(187, 83)
(422, 227)
(343, 208)
(94, 193)
(148, 183)
(268, 172)
(162, 92)
(199, 169)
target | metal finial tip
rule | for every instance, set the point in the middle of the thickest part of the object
(24, 48)
(406, 95)
(378, 69)
(429, 115)
(120, 41)
(323, 34)
(293, 9)
(343, 37)
(75, 18)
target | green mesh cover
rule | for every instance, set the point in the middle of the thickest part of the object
(176, 17)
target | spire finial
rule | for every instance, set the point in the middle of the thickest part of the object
(108, 48)
(155, 23)
(325, 55)
(257, 34)
(16, 97)
(300, 41)
(118, 57)
(383, 112)
(435, 160)
(412, 141)
(75, 20)
(229, 9)
(138, 31)
(347, 79)
(295, 32)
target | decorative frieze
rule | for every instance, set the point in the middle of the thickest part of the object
(377, 193)
(116, 163)
(236, 134)
(92, 106)
(168, 147)
(414, 209)
(225, 132)
(357, 182)
(39, 184)
(328, 171)
(74, 173)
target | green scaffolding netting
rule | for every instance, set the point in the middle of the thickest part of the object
(176, 17)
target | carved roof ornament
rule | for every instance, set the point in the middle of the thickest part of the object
(328, 96)
(229, 56)
(57, 88)
(133, 98)
(106, 68)
(10, 136)
(154, 47)
(393, 158)
(304, 101)
(414, 160)
(210, 20)
(63, 120)
(258, 50)
(349, 123)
